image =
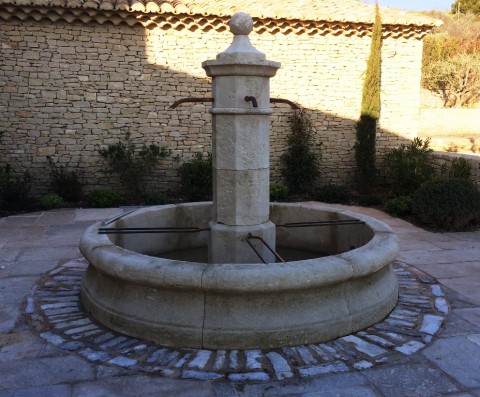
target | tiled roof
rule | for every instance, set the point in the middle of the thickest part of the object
(353, 11)
(311, 17)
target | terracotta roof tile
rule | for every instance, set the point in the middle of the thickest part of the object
(353, 11)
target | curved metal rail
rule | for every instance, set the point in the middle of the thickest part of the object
(138, 230)
(340, 222)
(252, 237)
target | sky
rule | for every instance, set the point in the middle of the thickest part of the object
(440, 5)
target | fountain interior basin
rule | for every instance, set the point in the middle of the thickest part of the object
(131, 288)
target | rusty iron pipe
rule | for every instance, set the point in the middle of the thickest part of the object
(252, 99)
(293, 105)
(185, 100)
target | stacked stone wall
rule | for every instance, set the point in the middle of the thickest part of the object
(67, 90)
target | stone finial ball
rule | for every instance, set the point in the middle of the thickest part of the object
(241, 24)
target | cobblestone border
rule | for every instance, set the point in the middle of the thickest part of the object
(53, 308)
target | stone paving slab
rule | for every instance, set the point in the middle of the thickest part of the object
(41, 391)
(459, 357)
(420, 380)
(31, 254)
(32, 267)
(96, 214)
(20, 345)
(12, 293)
(55, 217)
(24, 236)
(472, 315)
(146, 386)
(446, 270)
(467, 286)
(419, 257)
(331, 383)
(457, 326)
(28, 373)
(8, 253)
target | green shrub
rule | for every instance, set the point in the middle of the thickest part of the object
(369, 200)
(13, 188)
(156, 198)
(399, 206)
(449, 204)
(459, 168)
(133, 164)
(65, 183)
(104, 198)
(408, 166)
(333, 194)
(196, 178)
(301, 161)
(278, 192)
(51, 200)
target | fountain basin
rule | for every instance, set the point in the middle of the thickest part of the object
(130, 288)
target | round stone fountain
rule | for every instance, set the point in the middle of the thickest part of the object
(215, 280)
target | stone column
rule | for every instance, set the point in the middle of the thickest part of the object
(240, 148)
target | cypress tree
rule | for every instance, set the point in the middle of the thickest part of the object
(366, 126)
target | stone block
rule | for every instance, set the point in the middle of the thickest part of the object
(228, 243)
(46, 151)
(230, 91)
(235, 203)
(241, 142)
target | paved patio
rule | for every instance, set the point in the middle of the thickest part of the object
(33, 244)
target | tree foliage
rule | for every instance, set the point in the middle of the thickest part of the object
(464, 6)
(451, 60)
(456, 80)
(366, 126)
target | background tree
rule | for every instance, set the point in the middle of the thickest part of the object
(451, 60)
(366, 127)
(464, 6)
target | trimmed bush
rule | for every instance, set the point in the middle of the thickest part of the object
(369, 200)
(13, 188)
(333, 194)
(301, 163)
(399, 206)
(449, 204)
(104, 198)
(156, 198)
(196, 178)
(51, 201)
(278, 192)
(408, 166)
(133, 164)
(459, 168)
(65, 183)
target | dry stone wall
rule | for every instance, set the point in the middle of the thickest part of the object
(69, 89)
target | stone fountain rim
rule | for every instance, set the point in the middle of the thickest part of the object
(154, 272)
